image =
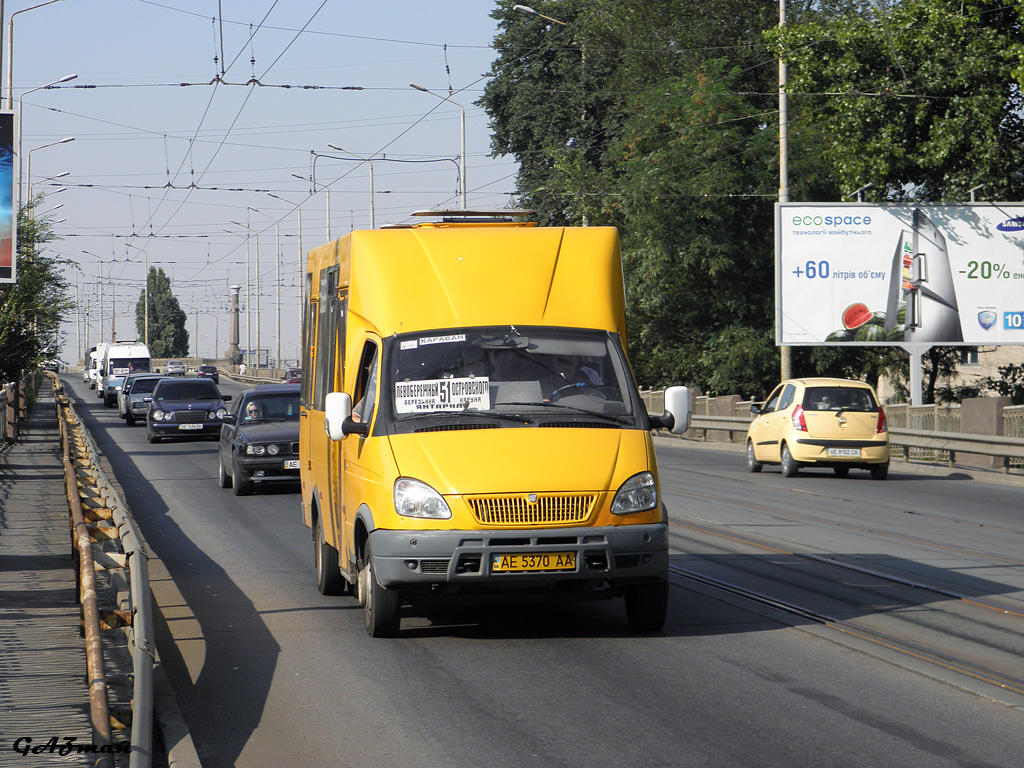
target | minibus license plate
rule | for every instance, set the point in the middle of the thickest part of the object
(855, 452)
(291, 463)
(546, 561)
(190, 426)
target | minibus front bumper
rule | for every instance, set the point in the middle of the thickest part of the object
(597, 558)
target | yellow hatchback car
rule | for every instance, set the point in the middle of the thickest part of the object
(834, 423)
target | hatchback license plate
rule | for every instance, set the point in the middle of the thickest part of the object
(190, 426)
(854, 452)
(546, 561)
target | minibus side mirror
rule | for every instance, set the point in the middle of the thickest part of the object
(676, 417)
(337, 408)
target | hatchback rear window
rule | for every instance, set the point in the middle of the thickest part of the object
(839, 399)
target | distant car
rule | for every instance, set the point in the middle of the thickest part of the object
(834, 423)
(131, 402)
(259, 442)
(210, 372)
(175, 368)
(293, 376)
(185, 408)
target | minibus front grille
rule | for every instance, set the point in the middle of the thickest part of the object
(531, 509)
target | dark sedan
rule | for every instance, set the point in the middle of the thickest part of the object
(208, 372)
(185, 408)
(259, 442)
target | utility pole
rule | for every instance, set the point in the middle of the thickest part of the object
(786, 368)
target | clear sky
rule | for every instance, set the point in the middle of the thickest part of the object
(182, 127)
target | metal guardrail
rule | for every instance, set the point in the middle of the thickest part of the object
(997, 446)
(925, 442)
(112, 525)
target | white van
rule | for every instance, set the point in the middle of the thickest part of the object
(96, 365)
(120, 360)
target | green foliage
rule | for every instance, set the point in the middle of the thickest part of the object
(922, 98)
(1009, 384)
(31, 308)
(167, 334)
(660, 117)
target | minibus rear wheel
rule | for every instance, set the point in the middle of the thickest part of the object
(647, 606)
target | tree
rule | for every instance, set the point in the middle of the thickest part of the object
(31, 308)
(167, 334)
(922, 98)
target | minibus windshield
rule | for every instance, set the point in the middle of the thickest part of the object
(535, 374)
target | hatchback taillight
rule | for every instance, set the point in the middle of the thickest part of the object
(881, 427)
(799, 422)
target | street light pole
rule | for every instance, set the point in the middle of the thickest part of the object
(277, 246)
(368, 161)
(65, 140)
(327, 189)
(462, 160)
(10, 47)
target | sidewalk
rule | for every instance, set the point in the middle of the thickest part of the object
(43, 692)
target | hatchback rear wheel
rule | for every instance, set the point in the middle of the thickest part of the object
(790, 466)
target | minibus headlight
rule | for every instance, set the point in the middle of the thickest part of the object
(417, 499)
(638, 494)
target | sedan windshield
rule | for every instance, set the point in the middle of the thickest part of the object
(524, 374)
(277, 407)
(200, 389)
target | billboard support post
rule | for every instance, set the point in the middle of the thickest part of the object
(916, 352)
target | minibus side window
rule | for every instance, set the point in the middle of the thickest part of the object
(365, 392)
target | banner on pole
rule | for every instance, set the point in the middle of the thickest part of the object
(8, 210)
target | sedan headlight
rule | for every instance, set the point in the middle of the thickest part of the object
(273, 450)
(638, 494)
(220, 413)
(414, 498)
(158, 415)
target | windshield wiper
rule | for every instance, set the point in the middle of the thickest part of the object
(483, 414)
(598, 414)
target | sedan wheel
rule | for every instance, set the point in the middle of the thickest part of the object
(241, 482)
(223, 478)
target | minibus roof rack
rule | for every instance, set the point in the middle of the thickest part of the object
(478, 215)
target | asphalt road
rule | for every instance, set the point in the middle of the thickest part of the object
(268, 672)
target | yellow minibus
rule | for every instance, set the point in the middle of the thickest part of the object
(470, 426)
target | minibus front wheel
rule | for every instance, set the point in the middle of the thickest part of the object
(647, 606)
(380, 606)
(329, 580)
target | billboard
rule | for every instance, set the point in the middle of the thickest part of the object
(899, 274)
(8, 212)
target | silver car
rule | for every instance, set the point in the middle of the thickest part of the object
(175, 368)
(132, 405)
